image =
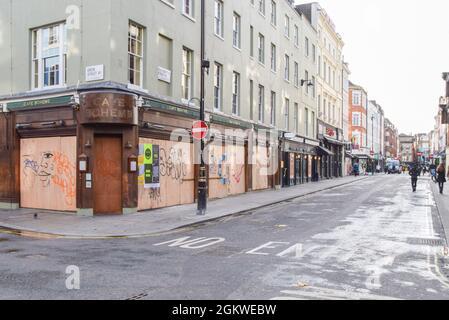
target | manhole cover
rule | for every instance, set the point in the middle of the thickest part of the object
(426, 242)
(138, 297)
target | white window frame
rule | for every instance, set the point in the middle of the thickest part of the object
(273, 108)
(236, 31)
(296, 36)
(37, 59)
(218, 18)
(356, 98)
(296, 74)
(306, 78)
(187, 73)
(236, 93)
(190, 4)
(261, 48)
(296, 117)
(261, 104)
(262, 7)
(273, 58)
(287, 114)
(287, 26)
(356, 119)
(307, 47)
(287, 68)
(137, 55)
(218, 86)
(273, 13)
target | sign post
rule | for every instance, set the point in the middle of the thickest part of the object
(202, 180)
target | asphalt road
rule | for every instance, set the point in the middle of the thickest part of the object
(374, 239)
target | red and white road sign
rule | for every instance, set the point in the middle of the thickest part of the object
(200, 130)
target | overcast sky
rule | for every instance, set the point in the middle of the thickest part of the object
(397, 50)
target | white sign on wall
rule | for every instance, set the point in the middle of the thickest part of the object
(164, 74)
(95, 73)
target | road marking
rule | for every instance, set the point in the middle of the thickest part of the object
(329, 294)
(295, 251)
(186, 243)
(269, 245)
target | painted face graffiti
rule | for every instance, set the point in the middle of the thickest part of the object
(46, 168)
(52, 169)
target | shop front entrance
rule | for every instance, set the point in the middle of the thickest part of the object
(107, 175)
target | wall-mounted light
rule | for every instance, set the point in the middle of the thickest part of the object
(128, 145)
(148, 125)
(309, 83)
(75, 101)
(4, 108)
(23, 126)
(88, 144)
(59, 123)
(139, 103)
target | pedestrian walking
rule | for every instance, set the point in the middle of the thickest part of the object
(414, 173)
(356, 169)
(441, 177)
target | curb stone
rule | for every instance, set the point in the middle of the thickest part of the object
(30, 233)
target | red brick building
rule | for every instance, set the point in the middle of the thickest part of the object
(358, 101)
(391, 140)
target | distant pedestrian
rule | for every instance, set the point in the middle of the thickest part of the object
(356, 169)
(441, 177)
(414, 173)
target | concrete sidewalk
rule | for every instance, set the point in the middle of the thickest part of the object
(442, 202)
(143, 224)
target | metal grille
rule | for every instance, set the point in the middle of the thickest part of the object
(426, 242)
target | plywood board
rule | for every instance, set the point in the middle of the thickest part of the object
(176, 176)
(48, 173)
(260, 168)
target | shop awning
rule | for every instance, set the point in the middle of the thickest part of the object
(362, 156)
(333, 141)
(324, 151)
(350, 155)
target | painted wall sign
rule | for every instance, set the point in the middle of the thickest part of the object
(164, 74)
(95, 73)
(112, 108)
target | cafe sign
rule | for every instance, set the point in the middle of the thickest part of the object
(108, 108)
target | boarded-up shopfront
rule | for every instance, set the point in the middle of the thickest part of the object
(262, 165)
(48, 173)
(227, 170)
(166, 173)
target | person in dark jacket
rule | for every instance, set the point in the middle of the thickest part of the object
(441, 176)
(414, 173)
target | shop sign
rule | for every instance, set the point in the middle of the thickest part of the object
(49, 102)
(170, 108)
(149, 166)
(112, 108)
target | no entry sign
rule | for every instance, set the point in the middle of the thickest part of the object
(199, 130)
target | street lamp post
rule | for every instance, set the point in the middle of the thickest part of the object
(202, 180)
